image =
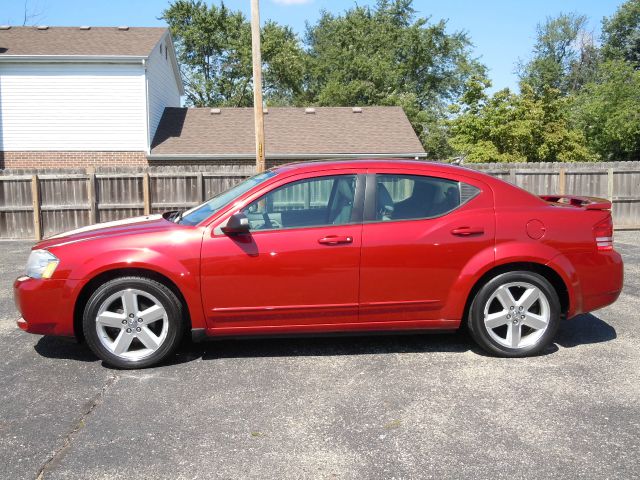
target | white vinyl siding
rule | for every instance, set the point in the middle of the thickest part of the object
(69, 106)
(163, 89)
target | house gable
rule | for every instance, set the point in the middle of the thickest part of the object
(76, 89)
(72, 107)
(164, 86)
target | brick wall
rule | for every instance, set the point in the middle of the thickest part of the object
(207, 163)
(71, 159)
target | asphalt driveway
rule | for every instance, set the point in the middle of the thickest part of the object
(427, 406)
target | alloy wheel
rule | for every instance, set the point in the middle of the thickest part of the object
(517, 314)
(132, 324)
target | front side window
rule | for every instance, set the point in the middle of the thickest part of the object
(311, 202)
(409, 197)
(201, 212)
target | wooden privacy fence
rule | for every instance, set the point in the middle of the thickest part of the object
(40, 204)
(618, 182)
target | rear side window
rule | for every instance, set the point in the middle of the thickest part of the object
(411, 197)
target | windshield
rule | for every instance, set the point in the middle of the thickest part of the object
(199, 213)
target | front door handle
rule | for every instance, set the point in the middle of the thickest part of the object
(467, 231)
(335, 239)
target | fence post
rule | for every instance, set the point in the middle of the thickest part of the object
(35, 198)
(512, 175)
(200, 187)
(91, 191)
(610, 184)
(146, 195)
(562, 181)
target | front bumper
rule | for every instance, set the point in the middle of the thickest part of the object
(46, 305)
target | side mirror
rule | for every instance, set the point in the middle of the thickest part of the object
(237, 224)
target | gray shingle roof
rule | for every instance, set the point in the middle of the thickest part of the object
(103, 41)
(330, 130)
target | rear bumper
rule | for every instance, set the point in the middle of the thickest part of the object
(601, 279)
(595, 302)
(45, 305)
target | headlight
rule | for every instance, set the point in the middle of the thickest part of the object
(41, 264)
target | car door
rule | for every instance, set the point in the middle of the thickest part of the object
(298, 267)
(419, 232)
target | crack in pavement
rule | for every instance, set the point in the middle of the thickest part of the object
(57, 454)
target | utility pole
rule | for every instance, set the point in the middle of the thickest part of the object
(257, 85)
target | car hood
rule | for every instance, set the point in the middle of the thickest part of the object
(129, 226)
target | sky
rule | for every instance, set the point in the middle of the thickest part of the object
(502, 31)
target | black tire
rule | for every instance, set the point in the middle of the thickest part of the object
(476, 321)
(167, 300)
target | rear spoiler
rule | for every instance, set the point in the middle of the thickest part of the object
(588, 203)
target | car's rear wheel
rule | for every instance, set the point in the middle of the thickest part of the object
(133, 322)
(515, 314)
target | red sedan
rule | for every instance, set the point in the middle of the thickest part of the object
(327, 247)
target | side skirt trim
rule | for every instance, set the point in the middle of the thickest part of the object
(362, 328)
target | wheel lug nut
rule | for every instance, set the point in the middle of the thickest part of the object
(508, 316)
(521, 308)
(522, 317)
(140, 320)
(131, 315)
(124, 322)
(128, 330)
(138, 329)
(512, 307)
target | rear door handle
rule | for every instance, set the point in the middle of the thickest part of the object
(467, 231)
(335, 239)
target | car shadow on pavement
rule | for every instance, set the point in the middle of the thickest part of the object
(584, 329)
(581, 330)
(335, 345)
(69, 349)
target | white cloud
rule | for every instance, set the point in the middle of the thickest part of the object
(292, 2)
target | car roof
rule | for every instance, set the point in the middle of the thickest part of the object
(429, 166)
(504, 192)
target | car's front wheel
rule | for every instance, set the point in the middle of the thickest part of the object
(515, 314)
(133, 322)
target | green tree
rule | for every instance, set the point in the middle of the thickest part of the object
(386, 56)
(621, 33)
(564, 55)
(213, 45)
(510, 127)
(608, 111)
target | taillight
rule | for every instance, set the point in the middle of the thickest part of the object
(603, 233)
